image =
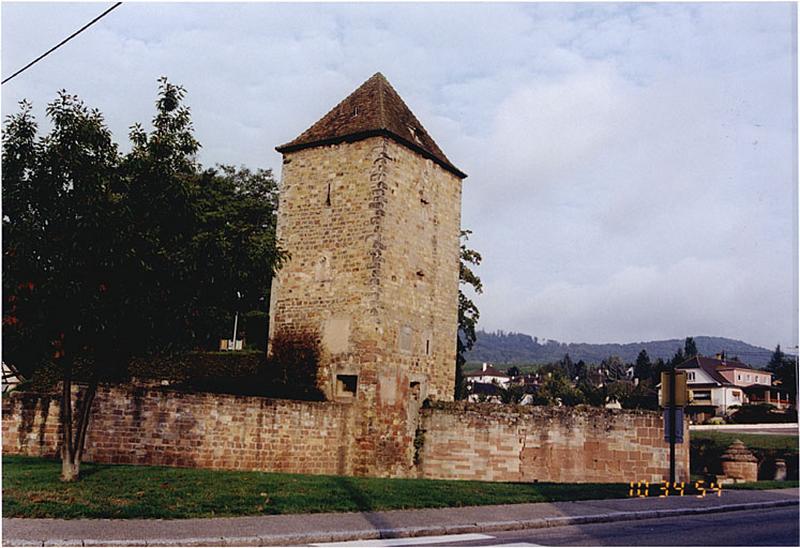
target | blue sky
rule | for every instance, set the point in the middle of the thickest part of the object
(632, 167)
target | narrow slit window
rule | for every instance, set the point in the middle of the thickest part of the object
(328, 197)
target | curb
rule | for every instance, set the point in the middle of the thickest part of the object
(315, 537)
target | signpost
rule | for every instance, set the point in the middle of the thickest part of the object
(674, 396)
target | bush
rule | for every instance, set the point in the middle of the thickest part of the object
(293, 365)
(762, 413)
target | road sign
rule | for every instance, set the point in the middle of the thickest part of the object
(678, 425)
(681, 392)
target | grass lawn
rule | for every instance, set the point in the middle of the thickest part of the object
(753, 441)
(31, 489)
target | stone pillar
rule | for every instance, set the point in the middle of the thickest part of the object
(739, 464)
(780, 470)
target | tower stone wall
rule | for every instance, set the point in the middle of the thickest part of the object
(371, 222)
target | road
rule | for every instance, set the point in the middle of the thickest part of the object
(768, 527)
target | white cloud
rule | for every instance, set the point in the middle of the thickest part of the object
(632, 167)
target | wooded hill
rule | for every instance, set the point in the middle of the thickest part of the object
(518, 348)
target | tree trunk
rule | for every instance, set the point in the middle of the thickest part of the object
(74, 435)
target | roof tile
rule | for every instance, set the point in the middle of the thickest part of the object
(373, 109)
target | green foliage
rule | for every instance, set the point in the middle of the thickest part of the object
(468, 313)
(293, 364)
(114, 491)
(110, 256)
(557, 388)
(513, 394)
(784, 369)
(689, 348)
(643, 369)
(762, 413)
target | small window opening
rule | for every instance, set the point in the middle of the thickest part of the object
(355, 112)
(427, 347)
(420, 273)
(346, 385)
(328, 198)
(415, 390)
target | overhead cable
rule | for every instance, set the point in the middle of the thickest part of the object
(67, 39)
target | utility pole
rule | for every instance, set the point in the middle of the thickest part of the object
(672, 425)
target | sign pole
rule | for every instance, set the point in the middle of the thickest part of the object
(672, 425)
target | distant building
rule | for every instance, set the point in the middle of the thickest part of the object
(718, 384)
(488, 375)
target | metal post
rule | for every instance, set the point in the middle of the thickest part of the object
(235, 326)
(672, 425)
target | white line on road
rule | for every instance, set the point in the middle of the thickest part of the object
(413, 541)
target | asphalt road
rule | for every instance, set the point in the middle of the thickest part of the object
(768, 527)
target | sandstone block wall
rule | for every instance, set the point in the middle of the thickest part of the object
(486, 442)
(162, 427)
(491, 442)
(373, 232)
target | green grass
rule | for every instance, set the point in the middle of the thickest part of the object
(31, 489)
(753, 441)
(765, 484)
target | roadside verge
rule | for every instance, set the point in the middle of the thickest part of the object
(319, 528)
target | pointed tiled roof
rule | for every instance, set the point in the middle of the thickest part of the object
(374, 109)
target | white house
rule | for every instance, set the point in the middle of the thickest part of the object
(715, 385)
(488, 375)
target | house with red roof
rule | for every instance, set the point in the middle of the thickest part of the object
(717, 386)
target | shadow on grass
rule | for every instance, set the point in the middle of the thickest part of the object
(350, 486)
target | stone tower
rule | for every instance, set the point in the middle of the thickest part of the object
(370, 212)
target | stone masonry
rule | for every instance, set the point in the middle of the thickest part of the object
(489, 442)
(492, 442)
(154, 426)
(370, 214)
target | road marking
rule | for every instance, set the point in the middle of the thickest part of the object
(413, 541)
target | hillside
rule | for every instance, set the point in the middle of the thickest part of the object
(518, 348)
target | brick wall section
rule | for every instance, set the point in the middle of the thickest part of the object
(514, 443)
(162, 427)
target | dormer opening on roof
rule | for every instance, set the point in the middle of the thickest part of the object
(415, 134)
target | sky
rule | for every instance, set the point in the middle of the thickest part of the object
(632, 167)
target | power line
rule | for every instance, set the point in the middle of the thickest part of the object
(67, 39)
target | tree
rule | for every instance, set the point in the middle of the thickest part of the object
(678, 358)
(558, 389)
(776, 361)
(567, 366)
(236, 241)
(613, 369)
(513, 372)
(690, 348)
(107, 257)
(64, 260)
(784, 369)
(468, 313)
(643, 369)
